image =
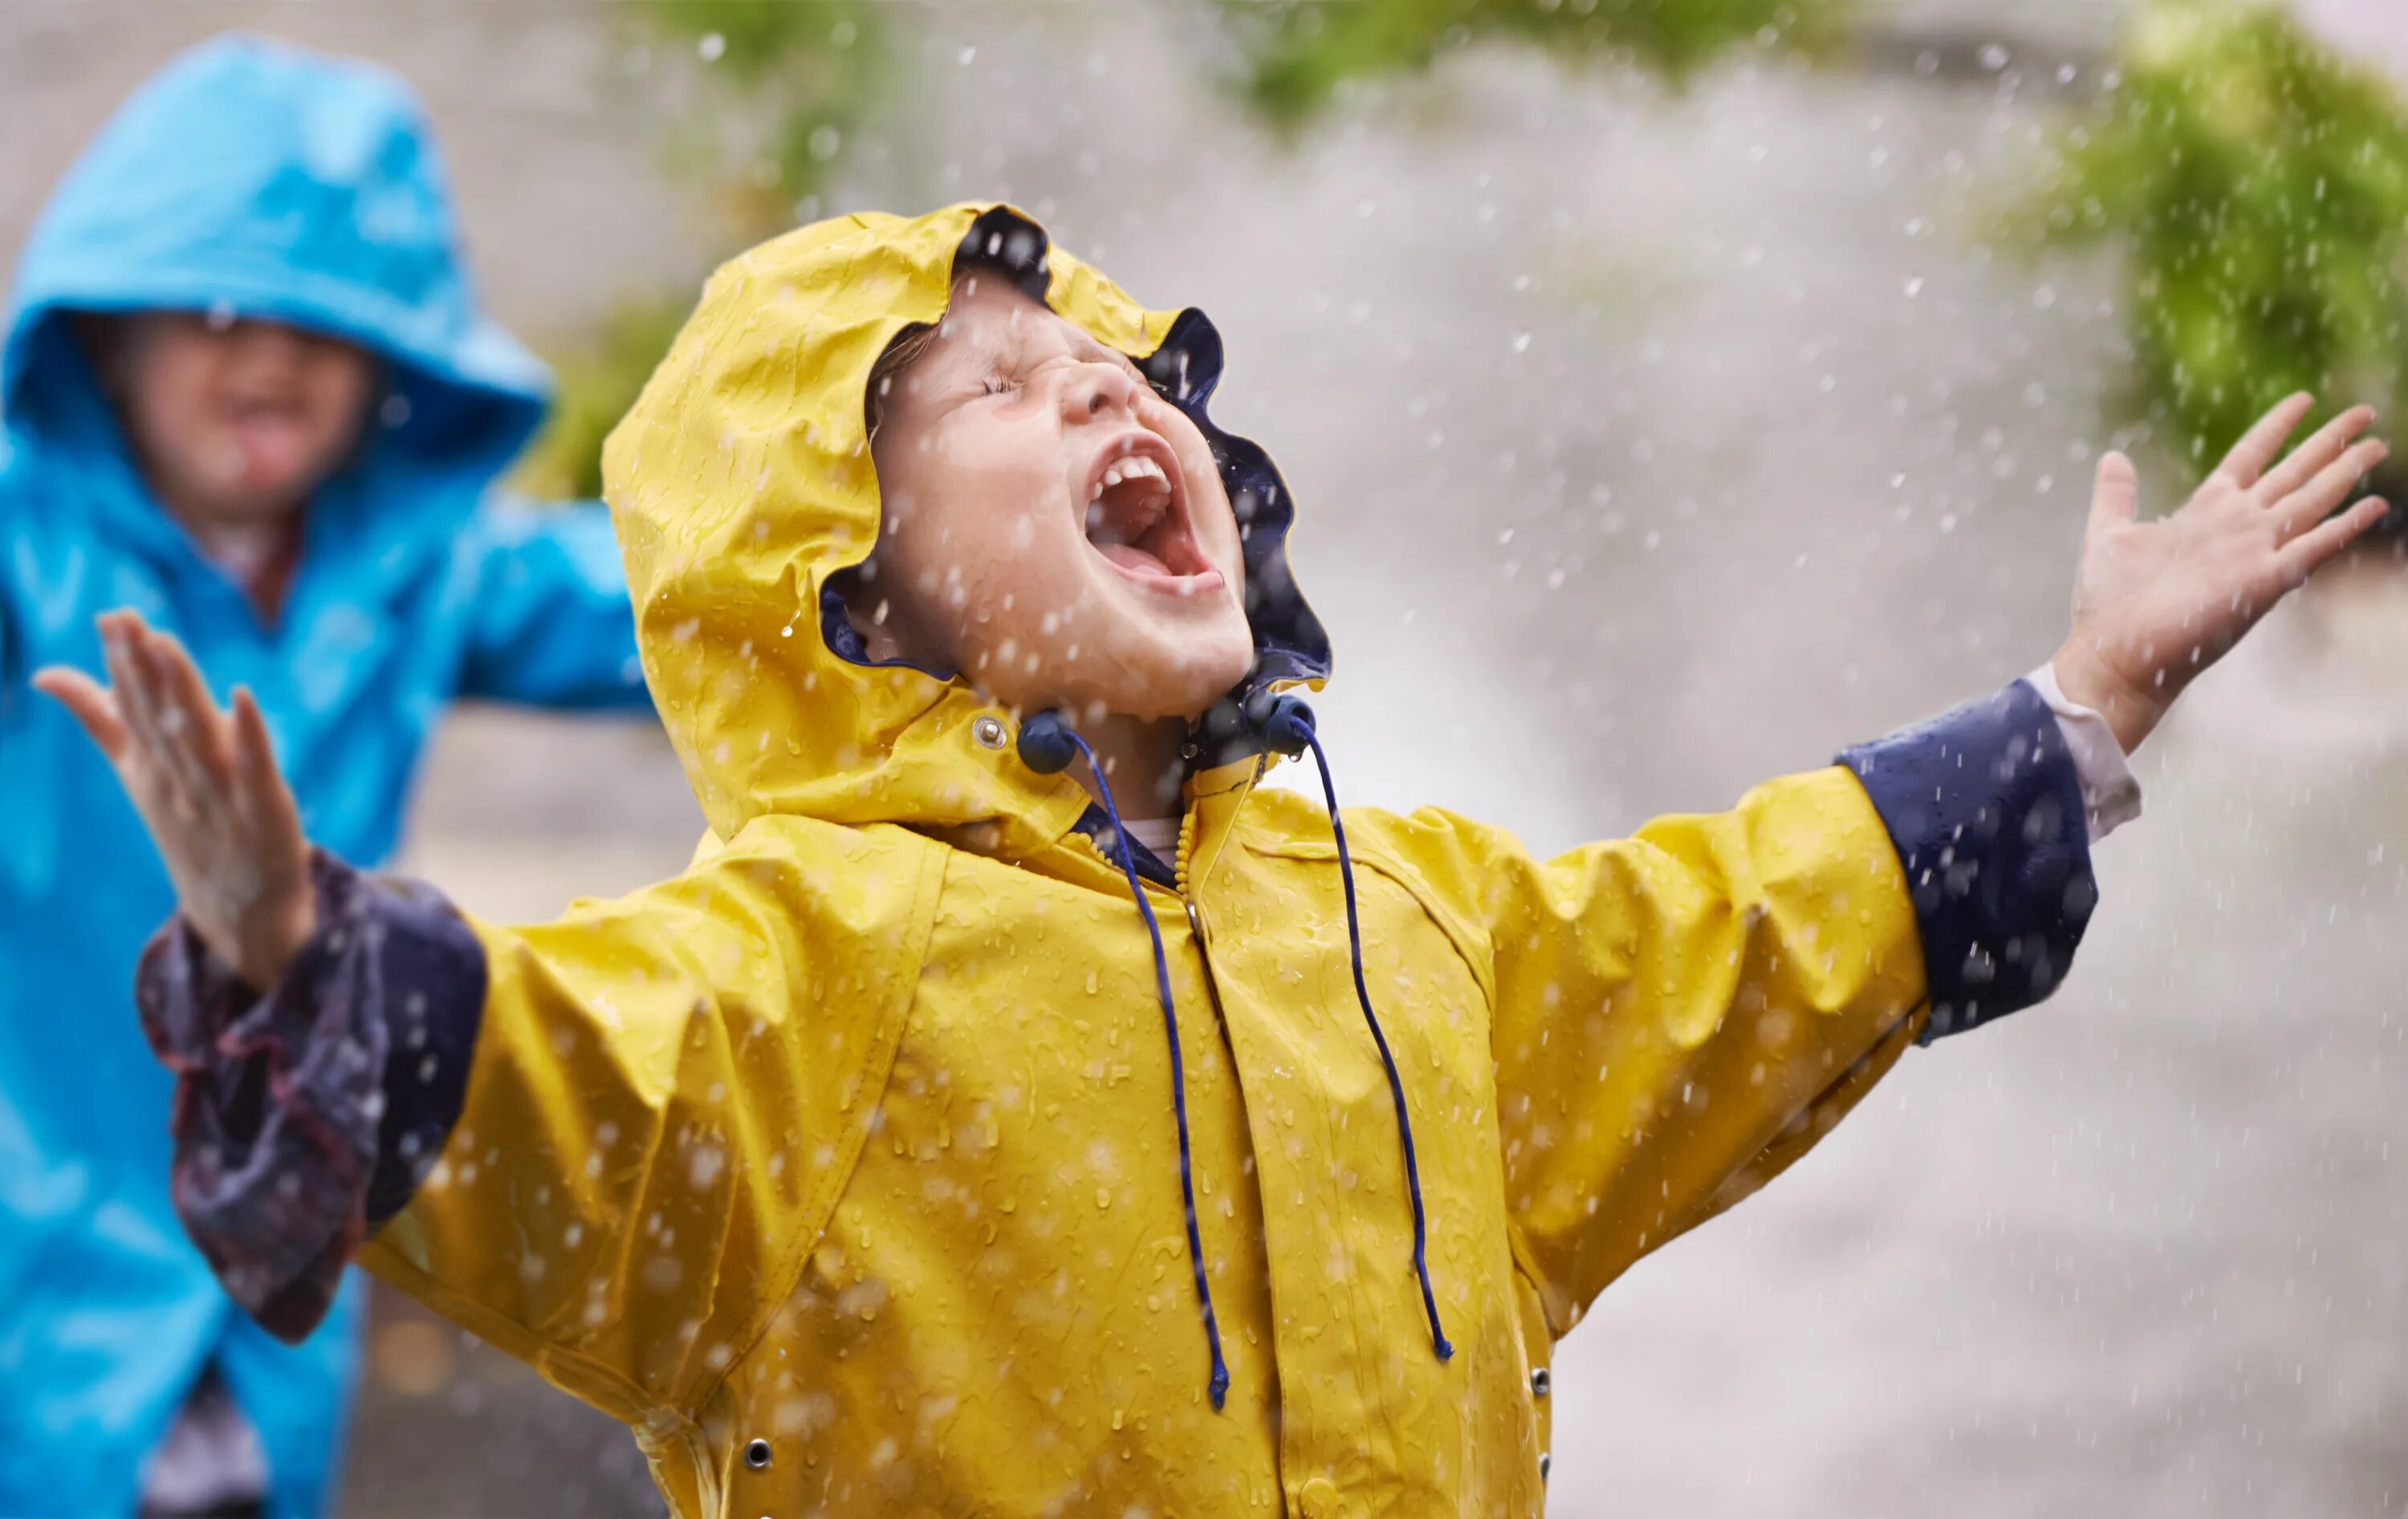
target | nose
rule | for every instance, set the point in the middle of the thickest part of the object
(273, 344)
(1092, 389)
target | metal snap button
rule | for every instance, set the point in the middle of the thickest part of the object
(988, 731)
(756, 1454)
(1540, 1383)
(1545, 1462)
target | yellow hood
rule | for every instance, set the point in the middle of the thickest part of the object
(742, 484)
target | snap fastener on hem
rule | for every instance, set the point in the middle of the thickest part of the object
(756, 1454)
(1545, 1462)
(988, 731)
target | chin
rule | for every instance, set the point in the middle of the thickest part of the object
(1149, 669)
(1190, 684)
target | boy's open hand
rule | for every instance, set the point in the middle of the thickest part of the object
(205, 783)
(2155, 603)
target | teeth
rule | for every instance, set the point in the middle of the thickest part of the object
(1121, 473)
(1129, 469)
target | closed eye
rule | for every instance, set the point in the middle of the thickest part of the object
(1000, 385)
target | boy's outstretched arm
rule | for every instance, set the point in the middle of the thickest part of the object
(588, 1142)
(1679, 1016)
(550, 624)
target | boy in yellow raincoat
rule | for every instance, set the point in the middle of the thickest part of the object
(1016, 1109)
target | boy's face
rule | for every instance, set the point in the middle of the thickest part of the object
(1052, 527)
(235, 422)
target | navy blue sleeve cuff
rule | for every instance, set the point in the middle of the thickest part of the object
(1984, 809)
(431, 990)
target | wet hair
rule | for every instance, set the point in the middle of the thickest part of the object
(900, 354)
(102, 337)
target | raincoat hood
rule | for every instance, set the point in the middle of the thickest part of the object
(743, 489)
(255, 180)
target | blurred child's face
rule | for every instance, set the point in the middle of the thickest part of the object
(1052, 527)
(234, 421)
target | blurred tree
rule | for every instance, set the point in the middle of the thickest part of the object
(1299, 52)
(786, 84)
(2262, 183)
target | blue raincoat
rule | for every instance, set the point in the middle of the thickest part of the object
(258, 180)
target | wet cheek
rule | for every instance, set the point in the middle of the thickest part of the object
(1019, 537)
(179, 428)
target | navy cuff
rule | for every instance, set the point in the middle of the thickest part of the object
(1985, 809)
(432, 995)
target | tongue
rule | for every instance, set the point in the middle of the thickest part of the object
(1129, 556)
(266, 448)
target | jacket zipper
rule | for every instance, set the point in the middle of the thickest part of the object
(1195, 921)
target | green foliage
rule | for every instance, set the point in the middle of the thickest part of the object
(812, 67)
(2262, 184)
(804, 75)
(1300, 52)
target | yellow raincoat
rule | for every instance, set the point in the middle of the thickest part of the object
(841, 1168)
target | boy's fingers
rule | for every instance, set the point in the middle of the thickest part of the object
(199, 723)
(2116, 498)
(160, 723)
(269, 800)
(2264, 443)
(89, 703)
(133, 703)
(2310, 458)
(155, 709)
(2296, 513)
(2305, 555)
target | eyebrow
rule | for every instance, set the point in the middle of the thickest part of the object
(967, 361)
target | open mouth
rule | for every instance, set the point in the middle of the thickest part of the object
(267, 437)
(1136, 515)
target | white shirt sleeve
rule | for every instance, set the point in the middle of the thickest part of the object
(2111, 793)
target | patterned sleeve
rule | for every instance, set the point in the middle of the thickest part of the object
(305, 1118)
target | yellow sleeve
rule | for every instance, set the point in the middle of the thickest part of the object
(1679, 1016)
(667, 1093)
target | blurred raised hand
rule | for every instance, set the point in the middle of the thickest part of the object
(205, 782)
(2155, 603)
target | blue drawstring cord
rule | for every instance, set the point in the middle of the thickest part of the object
(1046, 746)
(1287, 723)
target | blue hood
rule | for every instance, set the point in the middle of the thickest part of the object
(256, 180)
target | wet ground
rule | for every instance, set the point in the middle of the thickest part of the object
(1650, 446)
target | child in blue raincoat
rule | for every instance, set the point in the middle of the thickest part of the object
(247, 389)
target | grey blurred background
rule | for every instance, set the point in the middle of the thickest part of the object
(1650, 441)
